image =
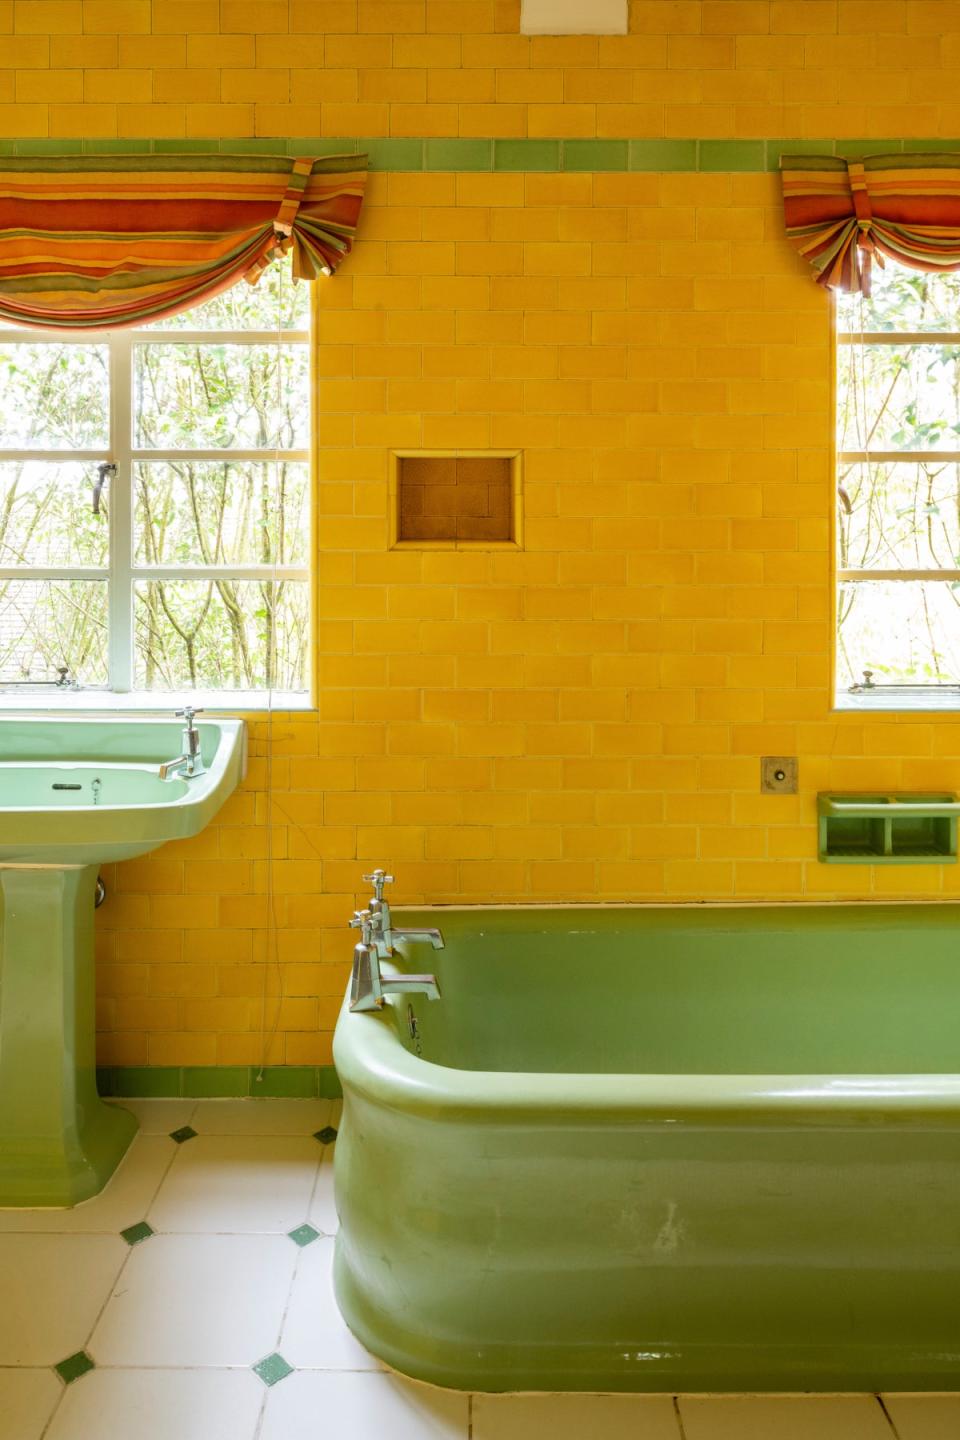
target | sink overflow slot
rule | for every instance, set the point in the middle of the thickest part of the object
(66, 787)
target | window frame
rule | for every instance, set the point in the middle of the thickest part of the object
(121, 573)
(909, 697)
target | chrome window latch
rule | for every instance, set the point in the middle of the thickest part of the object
(106, 470)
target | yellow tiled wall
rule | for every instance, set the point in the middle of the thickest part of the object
(582, 719)
(198, 68)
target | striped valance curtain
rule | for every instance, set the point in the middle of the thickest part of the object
(841, 213)
(98, 242)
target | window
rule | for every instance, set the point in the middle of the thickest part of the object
(186, 569)
(898, 491)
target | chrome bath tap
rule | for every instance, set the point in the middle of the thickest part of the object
(387, 936)
(377, 940)
(190, 763)
(368, 985)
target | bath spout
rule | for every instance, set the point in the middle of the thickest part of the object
(368, 985)
(434, 937)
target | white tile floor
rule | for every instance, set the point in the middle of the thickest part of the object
(175, 1324)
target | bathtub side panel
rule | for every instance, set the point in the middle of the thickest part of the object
(488, 1254)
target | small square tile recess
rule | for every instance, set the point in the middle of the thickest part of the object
(304, 1235)
(272, 1369)
(460, 498)
(186, 1132)
(326, 1136)
(134, 1234)
(74, 1366)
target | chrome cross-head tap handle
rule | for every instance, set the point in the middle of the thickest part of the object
(367, 985)
(190, 761)
(381, 908)
(367, 923)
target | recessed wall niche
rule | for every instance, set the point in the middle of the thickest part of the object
(456, 498)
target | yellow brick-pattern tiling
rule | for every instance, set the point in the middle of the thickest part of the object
(443, 68)
(578, 720)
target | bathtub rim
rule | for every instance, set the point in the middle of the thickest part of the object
(371, 1059)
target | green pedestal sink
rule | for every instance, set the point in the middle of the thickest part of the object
(74, 794)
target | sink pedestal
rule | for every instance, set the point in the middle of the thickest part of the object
(59, 1143)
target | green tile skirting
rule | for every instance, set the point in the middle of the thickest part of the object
(744, 156)
(204, 1082)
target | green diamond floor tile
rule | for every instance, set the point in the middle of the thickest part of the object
(272, 1369)
(74, 1366)
(304, 1235)
(135, 1233)
(186, 1132)
(326, 1136)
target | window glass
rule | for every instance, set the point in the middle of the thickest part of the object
(45, 624)
(221, 635)
(54, 397)
(903, 634)
(898, 487)
(202, 512)
(224, 396)
(46, 515)
(207, 442)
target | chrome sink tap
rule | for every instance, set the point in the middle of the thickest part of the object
(387, 937)
(368, 986)
(190, 763)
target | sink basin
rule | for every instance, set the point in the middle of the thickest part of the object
(122, 807)
(74, 794)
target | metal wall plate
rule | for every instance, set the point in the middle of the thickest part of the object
(778, 774)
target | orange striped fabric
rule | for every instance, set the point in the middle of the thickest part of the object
(102, 242)
(840, 213)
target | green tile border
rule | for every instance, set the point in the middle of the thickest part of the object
(594, 155)
(394, 154)
(854, 149)
(206, 1082)
(458, 155)
(709, 156)
(200, 1082)
(928, 147)
(662, 154)
(295, 1082)
(730, 156)
(527, 154)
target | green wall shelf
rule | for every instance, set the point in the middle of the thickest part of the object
(888, 829)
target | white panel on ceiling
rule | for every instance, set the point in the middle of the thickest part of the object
(573, 17)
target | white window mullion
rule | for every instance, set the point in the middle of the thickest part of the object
(853, 576)
(219, 337)
(220, 572)
(221, 455)
(121, 514)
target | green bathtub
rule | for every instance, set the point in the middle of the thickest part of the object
(660, 1148)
